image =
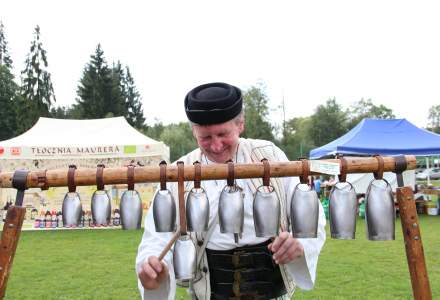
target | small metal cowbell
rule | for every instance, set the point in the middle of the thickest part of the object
(231, 210)
(164, 211)
(101, 208)
(380, 212)
(266, 211)
(72, 209)
(197, 210)
(131, 210)
(342, 211)
(304, 212)
(184, 258)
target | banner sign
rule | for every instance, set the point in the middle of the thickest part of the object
(80, 152)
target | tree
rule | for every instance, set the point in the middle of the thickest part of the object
(154, 131)
(135, 112)
(295, 141)
(37, 85)
(256, 111)
(327, 123)
(116, 99)
(434, 118)
(5, 59)
(8, 97)
(366, 109)
(8, 91)
(100, 90)
(179, 138)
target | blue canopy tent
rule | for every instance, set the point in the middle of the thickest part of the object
(382, 136)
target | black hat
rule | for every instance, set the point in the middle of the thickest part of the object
(213, 103)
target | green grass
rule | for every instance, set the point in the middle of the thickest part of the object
(99, 264)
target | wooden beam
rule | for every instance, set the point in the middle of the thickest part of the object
(87, 176)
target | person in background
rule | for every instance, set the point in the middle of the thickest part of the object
(263, 268)
(317, 184)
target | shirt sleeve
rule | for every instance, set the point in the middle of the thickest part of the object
(152, 244)
(303, 269)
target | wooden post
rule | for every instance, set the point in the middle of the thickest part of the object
(413, 244)
(9, 241)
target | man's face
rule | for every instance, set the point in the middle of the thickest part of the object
(218, 142)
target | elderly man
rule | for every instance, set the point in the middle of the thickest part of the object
(269, 269)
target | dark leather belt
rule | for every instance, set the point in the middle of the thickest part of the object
(244, 273)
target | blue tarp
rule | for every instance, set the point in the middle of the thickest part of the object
(382, 136)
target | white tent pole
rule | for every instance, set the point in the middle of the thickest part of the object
(427, 169)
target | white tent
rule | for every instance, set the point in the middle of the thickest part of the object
(100, 138)
(57, 143)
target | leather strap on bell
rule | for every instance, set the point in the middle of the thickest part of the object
(71, 179)
(181, 191)
(197, 174)
(231, 173)
(163, 175)
(100, 177)
(304, 178)
(343, 169)
(42, 180)
(130, 177)
(19, 182)
(400, 166)
(266, 174)
(379, 174)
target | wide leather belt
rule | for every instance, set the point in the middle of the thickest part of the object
(244, 273)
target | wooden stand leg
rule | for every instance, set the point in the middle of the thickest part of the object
(413, 243)
(9, 241)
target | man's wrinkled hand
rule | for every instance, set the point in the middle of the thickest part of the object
(286, 248)
(153, 273)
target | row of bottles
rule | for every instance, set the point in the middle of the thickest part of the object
(54, 219)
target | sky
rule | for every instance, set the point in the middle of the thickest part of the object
(304, 52)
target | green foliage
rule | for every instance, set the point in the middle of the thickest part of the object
(95, 88)
(295, 141)
(5, 59)
(256, 110)
(179, 138)
(366, 109)
(8, 97)
(434, 118)
(327, 123)
(104, 92)
(36, 89)
(154, 131)
(134, 110)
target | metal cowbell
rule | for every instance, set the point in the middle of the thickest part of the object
(304, 212)
(266, 210)
(184, 258)
(380, 212)
(131, 210)
(342, 211)
(72, 209)
(164, 211)
(101, 208)
(231, 210)
(197, 210)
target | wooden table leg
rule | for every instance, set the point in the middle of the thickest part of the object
(413, 244)
(9, 241)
